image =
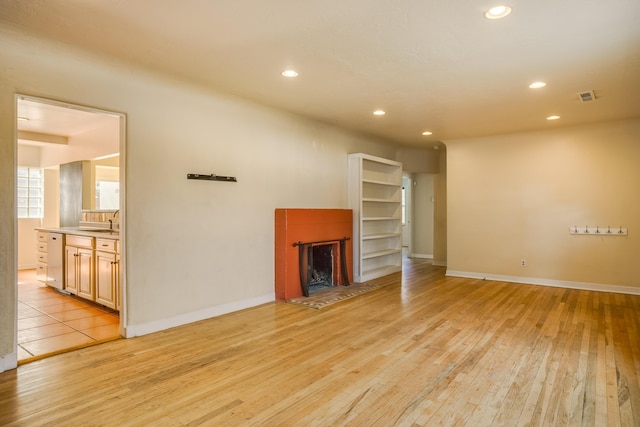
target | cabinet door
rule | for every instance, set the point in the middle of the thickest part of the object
(70, 271)
(85, 274)
(106, 269)
(117, 288)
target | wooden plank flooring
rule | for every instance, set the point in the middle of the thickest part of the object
(425, 350)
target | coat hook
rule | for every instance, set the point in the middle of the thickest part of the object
(586, 229)
(620, 232)
(597, 230)
(609, 229)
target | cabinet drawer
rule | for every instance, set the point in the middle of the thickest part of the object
(42, 236)
(42, 257)
(108, 245)
(42, 246)
(81, 241)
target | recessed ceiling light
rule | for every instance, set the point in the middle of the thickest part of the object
(379, 113)
(554, 117)
(23, 119)
(497, 12)
(290, 73)
(427, 133)
(537, 85)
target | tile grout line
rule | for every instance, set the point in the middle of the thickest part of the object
(60, 299)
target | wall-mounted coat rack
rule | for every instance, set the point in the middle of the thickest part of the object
(599, 231)
(211, 177)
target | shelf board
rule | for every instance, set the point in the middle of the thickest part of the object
(381, 218)
(373, 181)
(380, 200)
(380, 236)
(374, 273)
(381, 253)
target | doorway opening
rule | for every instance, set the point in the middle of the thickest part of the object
(407, 213)
(418, 227)
(72, 295)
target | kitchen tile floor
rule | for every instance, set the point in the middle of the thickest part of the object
(50, 322)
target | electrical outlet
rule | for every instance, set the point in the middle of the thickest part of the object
(523, 263)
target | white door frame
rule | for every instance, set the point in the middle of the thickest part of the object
(123, 247)
(407, 227)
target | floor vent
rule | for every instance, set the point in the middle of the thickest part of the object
(587, 96)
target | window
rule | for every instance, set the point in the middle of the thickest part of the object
(107, 195)
(30, 188)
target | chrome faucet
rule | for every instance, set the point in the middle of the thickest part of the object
(112, 218)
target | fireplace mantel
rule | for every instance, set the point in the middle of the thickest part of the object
(307, 225)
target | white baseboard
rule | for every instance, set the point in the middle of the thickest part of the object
(423, 256)
(183, 319)
(439, 263)
(10, 361)
(600, 287)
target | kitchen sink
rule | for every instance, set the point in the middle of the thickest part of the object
(99, 230)
(98, 227)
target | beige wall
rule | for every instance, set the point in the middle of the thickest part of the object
(440, 212)
(428, 212)
(51, 198)
(514, 197)
(194, 249)
(27, 246)
(419, 160)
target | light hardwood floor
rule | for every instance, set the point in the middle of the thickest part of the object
(425, 350)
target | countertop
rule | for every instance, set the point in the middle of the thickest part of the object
(107, 234)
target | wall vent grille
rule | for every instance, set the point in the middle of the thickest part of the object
(587, 96)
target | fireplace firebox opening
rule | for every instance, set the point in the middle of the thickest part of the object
(322, 265)
(320, 268)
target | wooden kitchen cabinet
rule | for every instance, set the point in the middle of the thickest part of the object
(117, 277)
(70, 269)
(79, 266)
(85, 274)
(49, 266)
(41, 264)
(107, 273)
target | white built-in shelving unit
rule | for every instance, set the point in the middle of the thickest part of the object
(375, 195)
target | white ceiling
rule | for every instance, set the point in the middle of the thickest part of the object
(59, 120)
(435, 65)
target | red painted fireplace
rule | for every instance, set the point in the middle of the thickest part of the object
(308, 226)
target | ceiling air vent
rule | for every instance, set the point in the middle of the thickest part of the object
(587, 96)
